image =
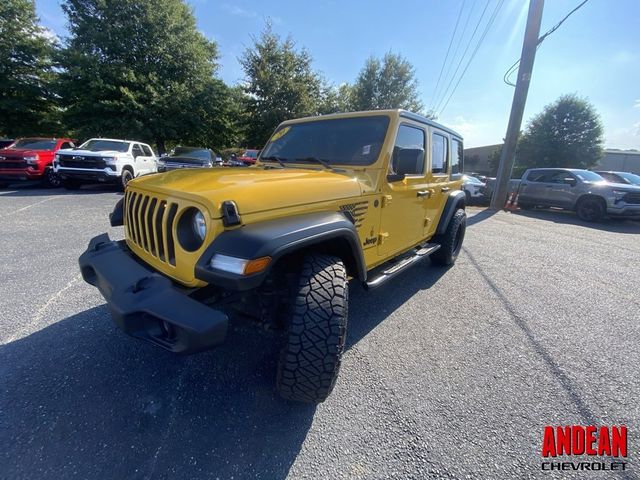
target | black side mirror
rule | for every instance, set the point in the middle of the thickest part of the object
(395, 177)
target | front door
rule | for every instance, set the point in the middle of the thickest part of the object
(405, 193)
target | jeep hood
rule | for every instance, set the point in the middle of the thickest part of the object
(252, 189)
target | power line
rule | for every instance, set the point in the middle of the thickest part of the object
(494, 14)
(455, 51)
(455, 29)
(446, 90)
(512, 68)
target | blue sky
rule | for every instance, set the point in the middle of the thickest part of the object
(595, 53)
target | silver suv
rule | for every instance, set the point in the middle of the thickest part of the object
(585, 192)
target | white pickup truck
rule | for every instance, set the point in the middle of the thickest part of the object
(104, 160)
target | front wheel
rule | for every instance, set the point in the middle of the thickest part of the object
(316, 331)
(591, 209)
(51, 178)
(451, 240)
(126, 177)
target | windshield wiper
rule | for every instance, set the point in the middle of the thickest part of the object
(275, 158)
(324, 163)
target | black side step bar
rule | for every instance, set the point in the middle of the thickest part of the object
(401, 266)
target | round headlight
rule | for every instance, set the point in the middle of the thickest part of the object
(199, 225)
(192, 229)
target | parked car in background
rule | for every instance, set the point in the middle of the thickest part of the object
(621, 177)
(104, 160)
(583, 191)
(490, 186)
(189, 157)
(474, 189)
(32, 159)
(249, 157)
(5, 142)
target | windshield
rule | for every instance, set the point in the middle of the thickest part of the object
(35, 144)
(191, 152)
(110, 145)
(587, 176)
(343, 141)
(474, 180)
(632, 178)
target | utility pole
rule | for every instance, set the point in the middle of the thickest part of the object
(527, 57)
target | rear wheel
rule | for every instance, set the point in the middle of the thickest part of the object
(51, 178)
(451, 240)
(316, 331)
(71, 184)
(591, 209)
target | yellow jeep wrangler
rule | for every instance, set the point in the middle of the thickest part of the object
(358, 195)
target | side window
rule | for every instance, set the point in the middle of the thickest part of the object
(136, 151)
(539, 176)
(66, 145)
(147, 151)
(559, 177)
(457, 157)
(439, 153)
(408, 152)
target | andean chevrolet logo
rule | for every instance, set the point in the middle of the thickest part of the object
(604, 442)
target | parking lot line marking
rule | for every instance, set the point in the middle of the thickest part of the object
(41, 311)
(28, 206)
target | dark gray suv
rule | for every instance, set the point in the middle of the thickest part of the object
(583, 191)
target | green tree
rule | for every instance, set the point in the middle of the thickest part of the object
(336, 99)
(568, 133)
(386, 83)
(280, 83)
(27, 105)
(140, 68)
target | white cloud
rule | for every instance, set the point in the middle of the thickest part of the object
(637, 104)
(238, 11)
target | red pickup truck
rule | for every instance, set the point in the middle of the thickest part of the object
(31, 159)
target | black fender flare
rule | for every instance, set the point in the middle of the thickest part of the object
(277, 238)
(455, 201)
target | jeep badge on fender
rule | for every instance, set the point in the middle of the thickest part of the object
(330, 198)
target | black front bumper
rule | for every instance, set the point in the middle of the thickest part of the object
(147, 305)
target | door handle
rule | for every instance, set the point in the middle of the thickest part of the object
(445, 189)
(423, 193)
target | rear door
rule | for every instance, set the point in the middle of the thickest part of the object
(440, 183)
(532, 187)
(150, 160)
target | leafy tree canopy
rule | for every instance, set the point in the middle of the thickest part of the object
(140, 68)
(26, 102)
(280, 84)
(389, 83)
(568, 133)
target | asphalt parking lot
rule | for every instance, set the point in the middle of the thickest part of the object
(447, 373)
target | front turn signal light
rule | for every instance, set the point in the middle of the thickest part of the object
(257, 265)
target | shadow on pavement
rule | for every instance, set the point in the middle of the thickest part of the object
(615, 225)
(480, 216)
(81, 399)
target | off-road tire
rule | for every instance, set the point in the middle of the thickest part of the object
(51, 179)
(591, 209)
(451, 240)
(316, 331)
(126, 176)
(71, 184)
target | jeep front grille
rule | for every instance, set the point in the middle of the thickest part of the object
(149, 222)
